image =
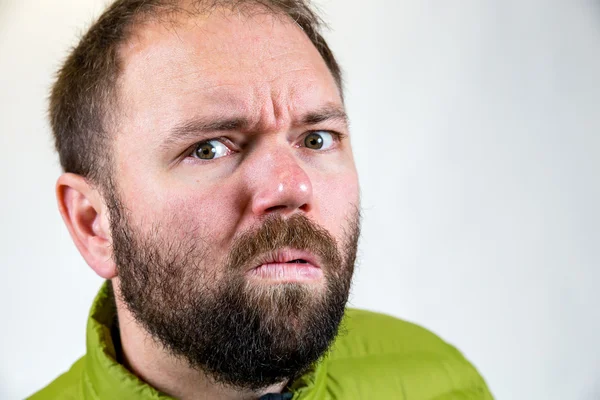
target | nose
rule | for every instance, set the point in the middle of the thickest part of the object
(279, 184)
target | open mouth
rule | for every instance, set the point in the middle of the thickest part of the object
(287, 256)
(297, 261)
(287, 265)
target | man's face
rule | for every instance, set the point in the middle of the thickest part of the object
(231, 153)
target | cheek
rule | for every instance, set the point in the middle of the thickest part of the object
(198, 224)
(187, 211)
(212, 217)
(336, 199)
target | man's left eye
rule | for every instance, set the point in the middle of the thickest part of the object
(319, 140)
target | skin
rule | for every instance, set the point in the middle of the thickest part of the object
(259, 68)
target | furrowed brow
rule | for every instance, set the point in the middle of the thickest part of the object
(192, 129)
(328, 113)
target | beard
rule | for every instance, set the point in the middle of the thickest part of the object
(240, 333)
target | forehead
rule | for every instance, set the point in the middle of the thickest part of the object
(222, 63)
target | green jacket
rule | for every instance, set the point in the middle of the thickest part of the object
(380, 357)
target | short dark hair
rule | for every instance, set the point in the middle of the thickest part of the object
(84, 97)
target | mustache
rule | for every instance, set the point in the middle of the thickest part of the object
(275, 233)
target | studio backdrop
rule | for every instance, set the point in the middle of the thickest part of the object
(476, 130)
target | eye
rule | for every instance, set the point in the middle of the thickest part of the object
(210, 149)
(319, 140)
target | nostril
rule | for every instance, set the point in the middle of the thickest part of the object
(274, 208)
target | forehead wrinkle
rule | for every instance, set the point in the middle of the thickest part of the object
(209, 66)
(196, 126)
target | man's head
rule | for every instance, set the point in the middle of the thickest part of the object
(213, 142)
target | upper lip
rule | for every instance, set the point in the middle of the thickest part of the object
(285, 255)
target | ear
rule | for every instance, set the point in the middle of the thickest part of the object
(84, 212)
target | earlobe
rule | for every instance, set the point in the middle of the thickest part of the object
(85, 215)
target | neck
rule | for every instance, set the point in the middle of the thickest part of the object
(151, 362)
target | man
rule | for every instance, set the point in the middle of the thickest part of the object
(209, 179)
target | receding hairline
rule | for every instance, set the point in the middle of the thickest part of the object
(173, 18)
(170, 14)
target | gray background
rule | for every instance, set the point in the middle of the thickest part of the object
(477, 137)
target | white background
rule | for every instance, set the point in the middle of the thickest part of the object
(477, 135)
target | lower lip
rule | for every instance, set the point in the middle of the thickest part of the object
(284, 272)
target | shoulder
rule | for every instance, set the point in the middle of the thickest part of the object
(379, 355)
(384, 334)
(66, 387)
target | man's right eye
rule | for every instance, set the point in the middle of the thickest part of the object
(210, 149)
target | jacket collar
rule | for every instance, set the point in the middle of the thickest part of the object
(105, 378)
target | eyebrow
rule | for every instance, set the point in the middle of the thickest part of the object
(195, 127)
(326, 113)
